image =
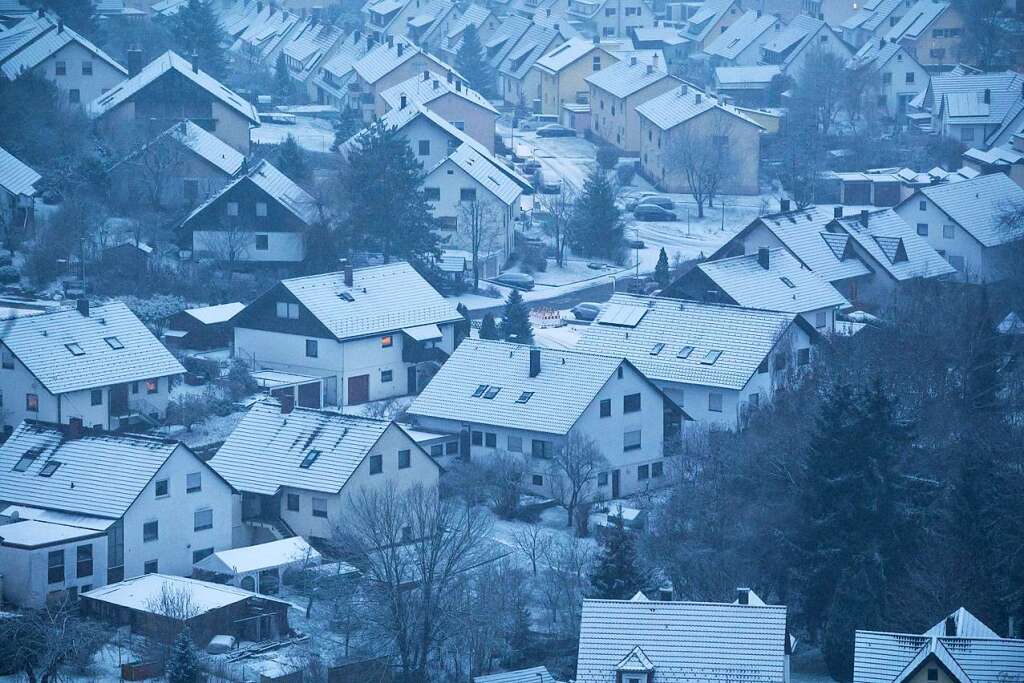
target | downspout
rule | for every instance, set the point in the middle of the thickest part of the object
(58, 408)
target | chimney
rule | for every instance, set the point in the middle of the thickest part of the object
(697, 98)
(864, 217)
(195, 62)
(683, 90)
(356, 35)
(784, 205)
(837, 212)
(426, 75)
(369, 41)
(556, 26)
(134, 58)
(758, 14)
(596, 40)
(549, 11)
(534, 362)
(74, 429)
(951, 626)
(437, 84)
(401, 49)
(881, 43)
(458, 86)
(83, 307)
(287, 404)
(650, 68)
(40, 13)
(988, 96)
(764, 257)
(655, 61)
(259, 7)
(391, 41)
(347, 269)
(60, 26)
(743, 596)
(632, 60)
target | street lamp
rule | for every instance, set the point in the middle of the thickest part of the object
(636, 244)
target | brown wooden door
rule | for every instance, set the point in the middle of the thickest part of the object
(358, 389)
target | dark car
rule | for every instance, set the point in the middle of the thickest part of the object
(659, 200)
(531, 166)
(635, 284)
(636, 244)
(653, 212)
(586, 311)
(553, 130)
(515, 280)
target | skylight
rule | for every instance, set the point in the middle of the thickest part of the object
(49, 468)
(524, 397)
(789, 283)
(310, 458)
(711, 357)
(75, 349)
(685, 352)
(656, 349)
(27, 459)
(114, 343)
(480, 391)
(491, 392)
(345, 296)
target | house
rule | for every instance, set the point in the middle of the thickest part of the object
(357, 335)
(147, 605)
(976, 109)
(803, 38)
(43, 45)
(330, 85)
(306, 48)
(741, 43)
(264, 34)
(956, 650)
(747, 86)
(500, 397)
(504, 38)
(932, 31)
(168, 90)
(873, 20)
(480, 17)
(564, 70)
(615, 94)
(261, 216)
(98, 364)
(711, 20)
(668, 39)
(716, 361)
(387, 65)
(640, 639)
(536, 674)
(85, 509)
(258, 568)
(880, 186)
(17, 191)
(298, 469)
(834, 12)
(429, 26)
(717, 136)
(514, 85)
(997, 160)
(180, 168)
(611, 18)
(771, 279)
(896, 78)
(208, 327)
(449, 97)
(962, 220)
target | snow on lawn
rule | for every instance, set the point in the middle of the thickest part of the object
(316, 135)
(572, 271)
(564, 337)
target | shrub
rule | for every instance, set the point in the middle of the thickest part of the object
(239, 382)
(9, 275)
(607, 157)
(625, 174)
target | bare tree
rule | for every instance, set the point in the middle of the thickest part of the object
(560, 207)
(532, 540)
(704, 156)
(157, 163)
(228, 241)
(565, 582)
(42, 644)
(176, 607)
(479, 229)
(573, 471)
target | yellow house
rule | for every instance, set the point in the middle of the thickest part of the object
(932, 32)
(616, 92)
(563, 72)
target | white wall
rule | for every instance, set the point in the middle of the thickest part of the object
(287, 247)
(975, 264)
(25, 571)
(104, 77)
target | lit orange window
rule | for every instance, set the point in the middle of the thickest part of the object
(387, 341)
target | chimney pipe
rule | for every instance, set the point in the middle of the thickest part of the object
(650, 68)
(988, 96)
(287, 403)
(632, 60)
(60, 26)
(697, 99)
(402, 102)
(134, 59)
(951, 626)
(426, 75)
(401, 48)
(74, 428)
(837, 212)
(356, 36)
(195, 62)
(83, 307)
(654, 61)
(458, 86)
(534, 362)
(448, 76)
(864, 213)
(391, 41)
(784, 205)
(743, 596)
(347, 270)
(764, 257)
(40, 13)
(436, 83)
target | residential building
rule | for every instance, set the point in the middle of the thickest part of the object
(331, 83)
(640, 639)
(564, 70)
(741, 43)
(977, 109)
(669, 40)
(41, 44)
(529, 402)
(611, 18)
(747, 86)
(536, 674)
(833, 12)
(17, 191)
(997, 160)
(710, 132)
(873, 20)
(615, 94)
(298, 469)
(896, 78)
(430, 26)
(932, 31)
(481, 18)
(449, 97)
(261, 216)
(385, 19)
(306, 48)
(208, 327)
(963, 222)
(386, 65)
(98, 364)
(513, 83)
(180, 168)
(168, 90)
(711, 20)
(83, 509)
(352, 336)
(262, 38)
(505, 37)
(770, 279)
(716, 361)
(803, 38)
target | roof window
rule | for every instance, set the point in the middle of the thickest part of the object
(524, 397)
(656, 349)
(345, 296)
(789, 283)
(27, 459)
(75, 349)
(480, 391)
(685, 352)
(49, 468)
(310, 458)
(712, 356)
(114, 343)
(491, 392)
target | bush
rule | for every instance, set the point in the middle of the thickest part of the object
(239, 382)
(191, 409)
(607, 157)
(625, 174)
(9, 275)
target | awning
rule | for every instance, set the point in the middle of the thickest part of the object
(423, 332)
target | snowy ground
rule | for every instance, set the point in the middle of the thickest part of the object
(316, 135)
(573, 271)
(570, 159)
(564, 337)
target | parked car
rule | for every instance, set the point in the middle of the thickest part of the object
(635, 201)
(636, 244)
(586, 311)
(515, 280)
(594, 265)
(636, 284)
(545, 183)
(531, 166)
(660, 200)
(554, 130)
(653, 212)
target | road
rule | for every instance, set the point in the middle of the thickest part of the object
(599, 292)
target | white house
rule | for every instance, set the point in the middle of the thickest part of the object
(896, 77)
(712, 19)
(962, 221)
(348, 337)
(84, 509)
(99, 364)
(740, 44)
(611, 18)
(804, 38)
(298, 468)
(716, 361)
(873, 20)
(17, 191)
(528, 402)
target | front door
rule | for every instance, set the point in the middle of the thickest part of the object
(411, 374)
(615, 483)
(358, 389)
(119, 400)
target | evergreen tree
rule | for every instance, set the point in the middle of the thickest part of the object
(78, 14)
(382, 184)
(596, 224)
(489, 328)
(291, 160)
(346, 125)
(515, 322)
(283, 86)
(661, 272)
(183, 663)
(855, 606)
(471, 62)
(618, 573)
(198, 31)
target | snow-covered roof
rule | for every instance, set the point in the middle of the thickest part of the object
(381, 60)
(505, 38)
(977, 205)
(348, 52)
(67, 351)
(682, 641)
(917, 19)
(666, 35)
(266, 31)
(551, 402)
(170, 61)
(871, 14)
(276, 185)
(57, 517)
(566, 54)
(203, 143)
(33, 534)
(741, 34)
(280, 553)
(211, 315)
(627, 77)
(705, 18)
(534, 43)
(966, 624)
(896, 657)
(16, 177)
(35, 39)
(536, 674)
(681, 104)
(995, 156)
(310, 43)
(736, 76)
(895, 245)
(790, 40)
(143, 593)
(484, 171)
(872, 54)
(474, 15)
(428, 86)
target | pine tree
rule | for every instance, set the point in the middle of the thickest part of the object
(855, 606)
(382, 183)
(291, 160)
(661, 272)
(515, 322)
(283, 85)
(471, 62)
(183, 663)
(596, 224)
(489, 328)
(618, 573)
(346, 125)
(197, 29)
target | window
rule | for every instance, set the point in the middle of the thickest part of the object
(515, 444)
(948, 232)
(910, 77)
(886, 78)
(451, 448)
(922, 205)
(542, 449)
(631, 440)
(261, 209)
(609, 11)
(162, 488)
(491, 392)
(287, 310)
(202, 519)
(423, 148)
(922, 229)
(151, 567)
(822, 39)
(939, 53)
(711, 357)
(957, 262)
(656, 349)
(404, 459)
(460, 125)
(96, 397)
(55, 566)
(933, 674)
(309, 459)
(820, 319)
(480, 391)
(232, 208)
(386, 376)
(114, 343)
(525, 397)
(87, 68)
(376, 464)
(200, 555)
(754, 400)
(387, 341)
(643, 472)
(320, 507)
(262, 242)
(685, 352)
(490, 440)
(433, 194)
(657, 469)
(152, 386)
(606, 407)
(193, 482)
(467, 194)
(291, 502)
(477, 438)
(595, 63)
(61, 68)
(75, 349)
(803, 356)
(602, 478)
(49, 468)
(32, 403)
(714, 402)
(967, 134)
(437, 450)
(631, 403)
(538, 480)
(8, 360)
(150, 531)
